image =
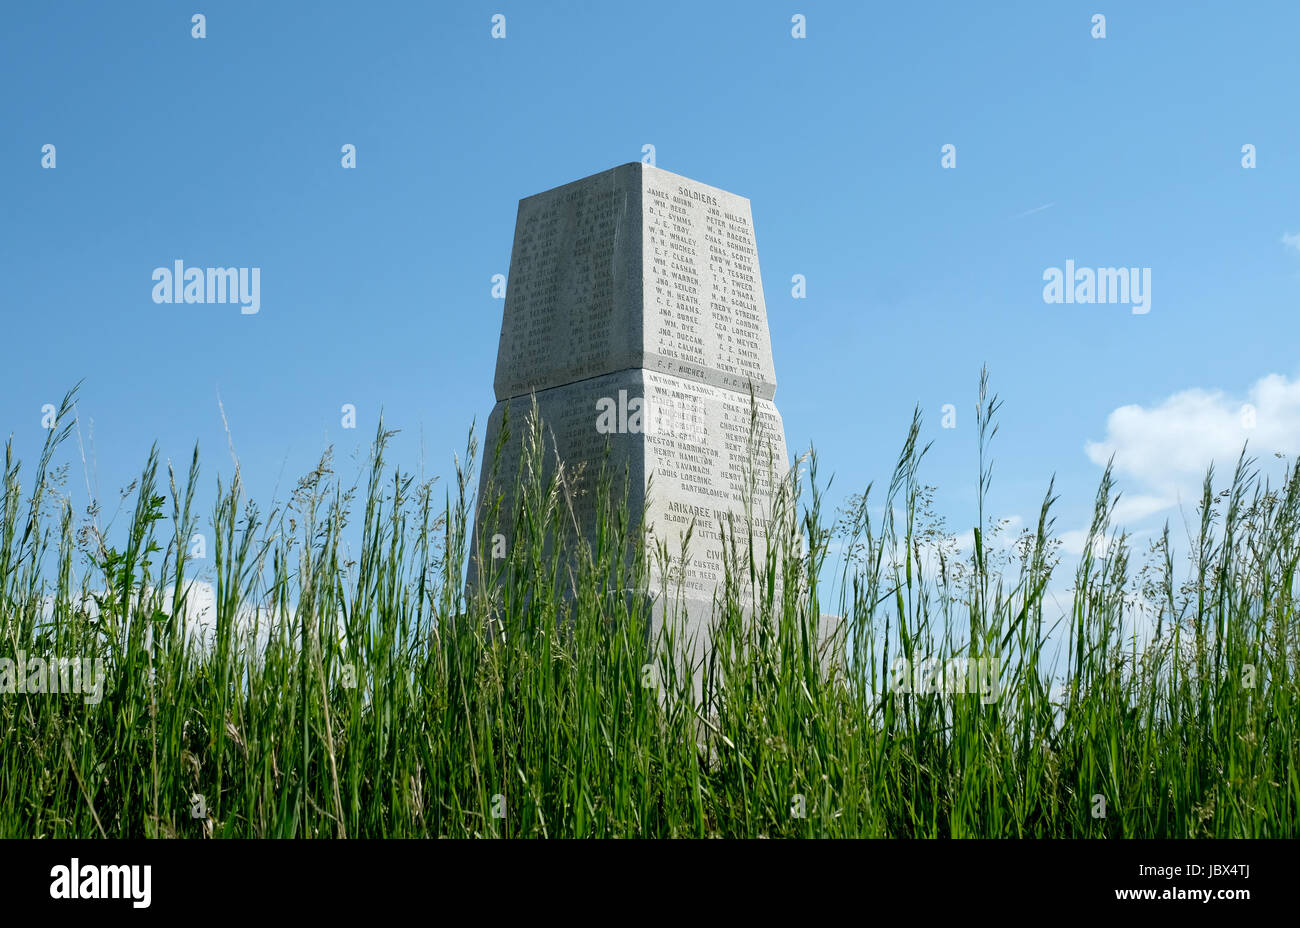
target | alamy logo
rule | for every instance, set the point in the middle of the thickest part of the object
(683, 418)
(1104, 285)
(932, 676)
(179, 284)
(56, 676)
(105, 881)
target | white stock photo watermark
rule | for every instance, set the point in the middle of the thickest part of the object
(56, 676)
(179, 284)
(1119, 285)
(76, 880)
(682, 418)
(935, 676)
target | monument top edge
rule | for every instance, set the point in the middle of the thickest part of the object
(645, 168)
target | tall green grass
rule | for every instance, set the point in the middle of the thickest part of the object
(375, 696)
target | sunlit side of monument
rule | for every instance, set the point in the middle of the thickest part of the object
(635, 320)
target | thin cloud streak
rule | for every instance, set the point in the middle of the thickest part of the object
(1030, 212)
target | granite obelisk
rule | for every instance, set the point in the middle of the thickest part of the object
(634, 312)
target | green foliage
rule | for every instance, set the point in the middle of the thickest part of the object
(378, 697)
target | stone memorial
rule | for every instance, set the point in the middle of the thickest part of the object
(634, 313)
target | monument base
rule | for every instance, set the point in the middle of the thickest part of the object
(694, 623)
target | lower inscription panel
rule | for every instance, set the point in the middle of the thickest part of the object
(697, 457)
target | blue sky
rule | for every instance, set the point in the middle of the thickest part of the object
(376, 282)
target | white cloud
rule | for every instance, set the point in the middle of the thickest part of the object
(1164, 450)
(253, 623)
(1004, 540)
(1291, 241)
(1136, 507)
(1073, 540)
